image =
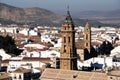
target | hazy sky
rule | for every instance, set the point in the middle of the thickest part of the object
(60, 5)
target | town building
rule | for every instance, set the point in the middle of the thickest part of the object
(85, 49)
(87, 37)
(5, 76)
(22, 74)
(4, 55)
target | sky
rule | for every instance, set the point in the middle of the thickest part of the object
(61, 5)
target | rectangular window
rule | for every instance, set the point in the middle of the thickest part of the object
(86, 36)
(19, 76)
(64, 48)
(86, 44)
(15, 77)
(64, 39)
(65, 28)
(69, 39)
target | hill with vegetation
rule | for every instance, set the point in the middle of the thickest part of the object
(36, 16)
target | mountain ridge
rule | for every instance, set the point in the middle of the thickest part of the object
(37, 16)
(102, 16)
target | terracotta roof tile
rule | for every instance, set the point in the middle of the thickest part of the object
(95, 43)
(60, 74)
(5, 61)
(22, 70)
(4, 76)
(32, 49)
(46, 60)
(115, 73)
(47, 29)
(47, 44)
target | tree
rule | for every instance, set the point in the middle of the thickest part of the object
(105, 48)
(8, 44)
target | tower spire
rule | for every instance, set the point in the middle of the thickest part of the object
(68, 56)
(68, 18)
(68, 8)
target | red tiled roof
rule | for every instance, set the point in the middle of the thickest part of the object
(37, 50)
(46, 60)
(22, 36)
(22, 70)
(36, 59)
(47, 29)
(5, 61)
(47, 44)
(60, 74)
(115, 73)
(4, 76)
(95, 43)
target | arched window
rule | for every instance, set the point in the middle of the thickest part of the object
(64, 39)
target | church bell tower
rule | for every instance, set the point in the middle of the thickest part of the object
(68, 56)
(87, 37)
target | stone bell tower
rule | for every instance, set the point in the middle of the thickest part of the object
(87, 37)
(68, 56)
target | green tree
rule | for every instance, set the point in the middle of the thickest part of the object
(8, 44)
(105, 48)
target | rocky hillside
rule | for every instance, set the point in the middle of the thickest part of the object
(35, 16)
(29, 15)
